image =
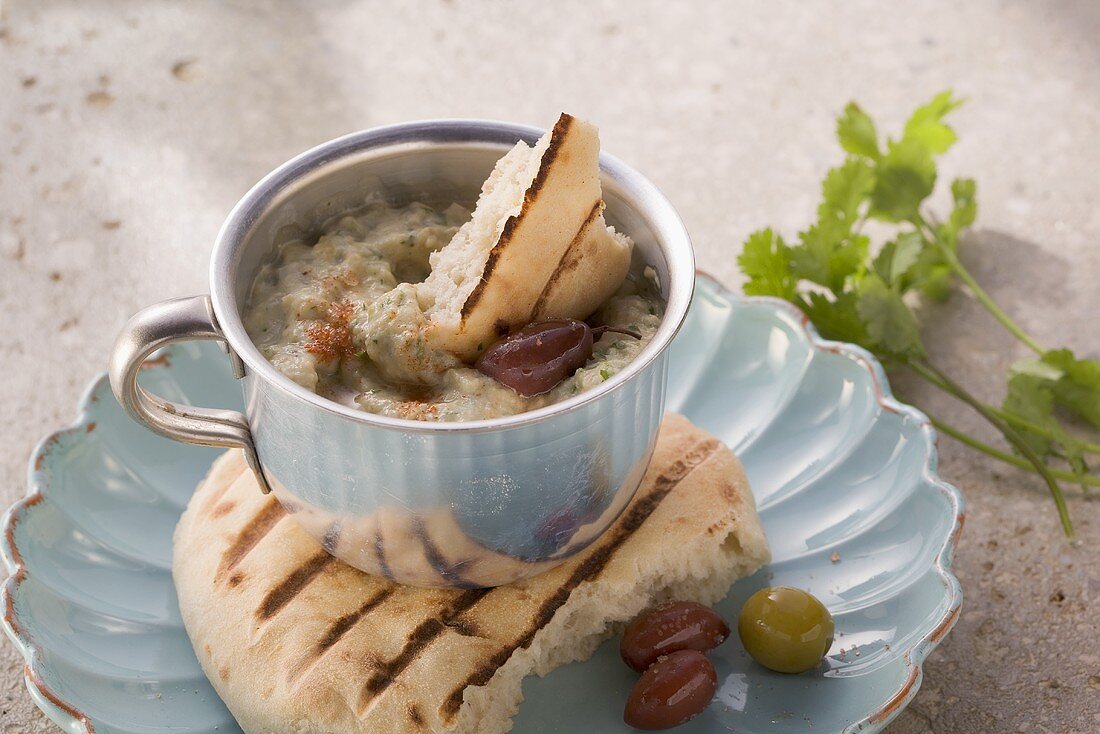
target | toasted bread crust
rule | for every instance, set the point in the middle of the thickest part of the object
(537, 246)
(590, 272)
(522, 256)
(557, 137)
(569, 261)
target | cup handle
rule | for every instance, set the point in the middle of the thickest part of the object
(179, 319)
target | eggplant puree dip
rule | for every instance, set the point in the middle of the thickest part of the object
(343, 318)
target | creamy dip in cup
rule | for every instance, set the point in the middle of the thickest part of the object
(466, 503)
(341, 315)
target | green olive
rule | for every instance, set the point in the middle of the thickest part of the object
(785, 629)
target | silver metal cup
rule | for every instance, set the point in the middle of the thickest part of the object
(465, 504)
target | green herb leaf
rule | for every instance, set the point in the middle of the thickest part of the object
(765, 259)
(856, 132)
(905, 177)
(1077, 388)
(836, 319)
(897, 258)
(963, 214)
(964, 191)
(1029, 406)
(932, 275)
(1031, 398)
(891, 327)
(926, 124)
(826, 258)
(883, 262)
(605, 373)
(844, 190)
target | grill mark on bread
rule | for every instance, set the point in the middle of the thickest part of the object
(465, 627)
(336, 632)
(251, 534)
(220, 491)
(565, 265)
(557, 136)
(285, 591)
(421, 636)
(415, 716)
(449, 571)
(213, 500)
(561, 129)
(222, 509)
(341, 626)
(591, 567)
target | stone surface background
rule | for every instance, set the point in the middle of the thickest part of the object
(129, 129)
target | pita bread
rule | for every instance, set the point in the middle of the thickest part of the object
(295, 641)
(590, 272)
(537, 221)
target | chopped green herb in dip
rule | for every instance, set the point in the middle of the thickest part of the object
(341, 318)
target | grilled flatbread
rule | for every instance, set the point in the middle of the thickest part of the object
(589, 273)
(537, 203)
(295, 641)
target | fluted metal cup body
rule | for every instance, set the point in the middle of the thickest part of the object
(466, 504)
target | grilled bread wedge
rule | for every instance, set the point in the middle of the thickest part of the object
(538, 205)
(589, 273)
(296, 641)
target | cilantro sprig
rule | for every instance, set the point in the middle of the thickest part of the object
(872, 295)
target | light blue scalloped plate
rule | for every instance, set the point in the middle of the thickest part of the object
(843, 474)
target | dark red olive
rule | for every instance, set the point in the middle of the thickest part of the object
(672, 690)
(672, 626)
(539, 356)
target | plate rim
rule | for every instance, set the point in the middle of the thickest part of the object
(56, 706)
(73, 719)
(914, 658)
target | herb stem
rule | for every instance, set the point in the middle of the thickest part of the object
(1021, 422)
(1089, 480)
(990, 305)
(975, 288)
(1012, 418)
(931, 373)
